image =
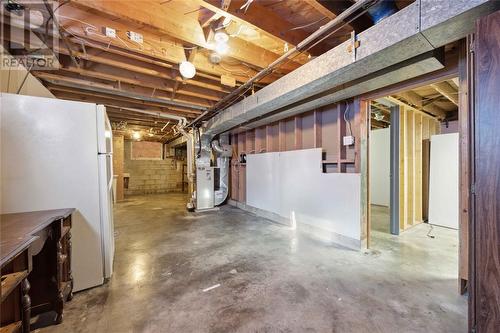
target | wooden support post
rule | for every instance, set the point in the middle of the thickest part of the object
(341, 131)
(298, 133)
(364, 132)
(269, 146)
(402, 169)
(464, 156)
(417, 167)
(281, 136)
(410, 174)
(317, 129)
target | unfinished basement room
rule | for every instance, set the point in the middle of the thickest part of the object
(250, 166)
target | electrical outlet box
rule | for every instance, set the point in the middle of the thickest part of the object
(135, 37)
(348, 140)
(109, 32)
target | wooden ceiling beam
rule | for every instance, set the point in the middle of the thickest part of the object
(103, 72)
(140, 69)
(445, 89)
(110, 100)
(153, 16)
(259, 17)
(416, 100)
(157, 46)
(124, 88)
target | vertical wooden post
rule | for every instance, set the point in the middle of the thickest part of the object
(341, 131)
(269, 146)
(317, 129)
(417, 167)
(464, 156)
(364, 130)
(298, 133)
(402, 170)
(281, 135)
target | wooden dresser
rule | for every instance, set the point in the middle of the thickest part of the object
(35, 266)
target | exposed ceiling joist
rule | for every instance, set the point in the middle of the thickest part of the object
(131, 90)
(445, 89)
(161, 20)
(118, 102)
(260, 17)
(433, 111)
(417, 101)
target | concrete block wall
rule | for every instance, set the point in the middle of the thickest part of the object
(152, 176)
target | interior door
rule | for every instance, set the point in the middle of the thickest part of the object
(485, 241)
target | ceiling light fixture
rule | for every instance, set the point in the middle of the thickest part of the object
(136, 135)
(221, 48)
(221, 36)
(187, 69)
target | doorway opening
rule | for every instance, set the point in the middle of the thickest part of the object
(414, 179)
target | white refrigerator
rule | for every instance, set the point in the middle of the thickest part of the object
(58, 154)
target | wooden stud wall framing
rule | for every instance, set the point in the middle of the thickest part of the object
(321, 128)
(415, 128)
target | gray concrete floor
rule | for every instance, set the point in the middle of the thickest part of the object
(271, 279)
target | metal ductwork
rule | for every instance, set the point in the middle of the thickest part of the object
(223, 154)
(212, 182)
(421, 27)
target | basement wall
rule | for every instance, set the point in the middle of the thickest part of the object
(335, 170)
(151, 176)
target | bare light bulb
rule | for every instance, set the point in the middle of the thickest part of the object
(187, 69)
(221, 48)
(136, 135)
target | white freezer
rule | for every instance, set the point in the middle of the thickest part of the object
(49, 160)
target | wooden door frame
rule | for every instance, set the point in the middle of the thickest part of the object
(453, 70)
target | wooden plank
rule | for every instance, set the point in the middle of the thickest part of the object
(417, 165)
(426, 155)
(10, 282)
(269, 147)
(260, 139)
(298, 132)
(282, 136)
(14, 327)
(250, 141)
(486, 173)
(464, 156)
(445, 89)
(317, 129)
(185, 28)
(402, 170)
(260, 18)
(155, 47)
(364, 167)
(410, 174)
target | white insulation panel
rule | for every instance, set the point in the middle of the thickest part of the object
(443, 181)
(292, 185)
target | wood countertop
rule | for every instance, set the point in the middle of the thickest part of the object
(17, 230)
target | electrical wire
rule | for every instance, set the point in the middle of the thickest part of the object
(430, 230)
(308, 24)
(346, 119)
